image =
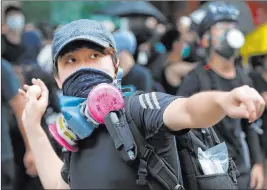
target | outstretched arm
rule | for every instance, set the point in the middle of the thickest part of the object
(208, 108)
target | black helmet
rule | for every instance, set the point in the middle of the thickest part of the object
(204, 18)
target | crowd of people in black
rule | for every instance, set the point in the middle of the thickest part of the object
(200, 52)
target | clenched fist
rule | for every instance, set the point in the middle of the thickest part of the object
(244, 102)
(36, 102)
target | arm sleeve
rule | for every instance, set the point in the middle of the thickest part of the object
(189, 86)
(9, 81)
(147, 111)
(253, 143)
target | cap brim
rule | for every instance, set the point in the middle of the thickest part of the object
(85, 38)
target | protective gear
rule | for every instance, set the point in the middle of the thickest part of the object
(217, 12)
(81, 82)
(103, 99)
(81, 116)
(15, 22)
(229, 43)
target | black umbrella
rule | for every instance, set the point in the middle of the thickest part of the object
(132, 8)
(245, 18)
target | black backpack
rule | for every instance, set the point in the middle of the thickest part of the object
(193, 176)
(152, 170)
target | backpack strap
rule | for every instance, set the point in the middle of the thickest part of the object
(121, 135)
(150, 162)
(65, 171)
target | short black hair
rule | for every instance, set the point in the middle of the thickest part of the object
(78, 44)
(12, 8)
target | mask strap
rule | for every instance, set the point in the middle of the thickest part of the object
(208, 49)
(119, 76)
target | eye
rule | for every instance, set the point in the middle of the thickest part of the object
(71, 60)
(94, 56)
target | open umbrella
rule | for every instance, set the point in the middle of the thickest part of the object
(245, 18)
(132, 8)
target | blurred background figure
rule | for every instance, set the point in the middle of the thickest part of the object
(12, 48)
(259, 78)
(133, 74)
(45, 55)
(10, 98)
(218, 71)
(159, 48)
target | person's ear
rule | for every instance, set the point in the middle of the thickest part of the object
(59, 83)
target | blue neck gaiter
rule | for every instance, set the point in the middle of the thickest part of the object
(81, 82)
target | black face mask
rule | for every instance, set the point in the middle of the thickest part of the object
(81, 82)
(230, 42)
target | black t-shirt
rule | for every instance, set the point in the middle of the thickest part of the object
(98, 165)
(230, 133)
(11, 52)
(258, 82)
(260, 85)
(167, 86)
(140, 77)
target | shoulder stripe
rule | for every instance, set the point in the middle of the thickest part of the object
(148, 100)
(155, 100)
(141, 101)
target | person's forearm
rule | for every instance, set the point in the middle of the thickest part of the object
(17, 104)
(254, 146)
(47, 162)
(201, 110)
(205, 108)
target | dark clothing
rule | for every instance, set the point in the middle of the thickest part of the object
(260, 85)
(7, 174)
(229, 130)
(22, 180)
(259, 82)
(32, 43)
(11, 52)
(168, 88)
(98, 165)
(10, 85)
(24, 53)
(140, 77)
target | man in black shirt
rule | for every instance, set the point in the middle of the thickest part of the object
(219, 35)
(259, 78)
(84, 55)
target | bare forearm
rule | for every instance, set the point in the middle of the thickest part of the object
(17, 104)
(198, 111)
(47, 162)
(205, 108)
